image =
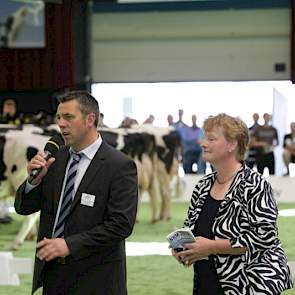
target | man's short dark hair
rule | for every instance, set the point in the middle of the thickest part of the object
(88, 104)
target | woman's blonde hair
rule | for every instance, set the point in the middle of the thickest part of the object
(234, 129)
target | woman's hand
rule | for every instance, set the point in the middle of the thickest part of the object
(195, 251)
(175, 254)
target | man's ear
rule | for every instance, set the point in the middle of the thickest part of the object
(90, 119)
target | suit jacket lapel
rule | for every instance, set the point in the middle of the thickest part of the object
(95, 167)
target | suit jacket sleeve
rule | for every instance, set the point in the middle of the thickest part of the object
(29, 203)
(119, 217)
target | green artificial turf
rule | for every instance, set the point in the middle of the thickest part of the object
(155, 274)
(287, 231)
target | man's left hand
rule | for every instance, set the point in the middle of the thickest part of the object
(49, 249)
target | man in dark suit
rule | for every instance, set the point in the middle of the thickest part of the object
(87, 196)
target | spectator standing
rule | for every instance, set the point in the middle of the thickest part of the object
(252, 152)
(149, 120)
(179, 124)
(180, 127)
(128, 122)
(101, 122)
(265, 138)
(289, 147)
(170, 120)
(192, 152)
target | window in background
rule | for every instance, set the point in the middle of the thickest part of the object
(201, 98)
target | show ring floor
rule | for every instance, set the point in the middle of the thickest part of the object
(157, 248)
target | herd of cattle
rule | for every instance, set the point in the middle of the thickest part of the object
(153, 149)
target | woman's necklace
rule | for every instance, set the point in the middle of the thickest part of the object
(227, 180)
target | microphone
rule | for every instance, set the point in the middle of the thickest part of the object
(50, 149)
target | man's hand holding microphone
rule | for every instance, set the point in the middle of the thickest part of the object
(47, 249)
(38, 166)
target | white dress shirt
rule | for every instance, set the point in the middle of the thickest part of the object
(87, 155)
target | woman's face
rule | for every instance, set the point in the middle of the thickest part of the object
(215, 146)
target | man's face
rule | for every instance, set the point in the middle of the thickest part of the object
(266, 118)
(194, 119)
(73, 124)
(170, 119)
(255, 117)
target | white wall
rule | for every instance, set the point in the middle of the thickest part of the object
(190, 46)
(283, 187)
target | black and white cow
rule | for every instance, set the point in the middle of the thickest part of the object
(153, 150)
(165, 167)
(17, 147)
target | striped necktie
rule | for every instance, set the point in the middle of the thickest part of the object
(67, 196)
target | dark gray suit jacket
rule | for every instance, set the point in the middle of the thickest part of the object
(95, 235)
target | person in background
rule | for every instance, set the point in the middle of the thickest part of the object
(128, 122)
(87, 196)
(101, 122)
(180, 124)
(170, 120)
(233, 216)
(192, 152)
(149, 120)
(264, 140)
(42, 118)
(9, 112)
(252, 151)
(289, 148)
(255, 122)
(180, 128)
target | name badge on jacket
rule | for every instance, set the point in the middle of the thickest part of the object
(87, 200)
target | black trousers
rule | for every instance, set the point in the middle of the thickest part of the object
(103, 279)
(266, 160)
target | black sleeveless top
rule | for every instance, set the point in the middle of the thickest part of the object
(205, 277)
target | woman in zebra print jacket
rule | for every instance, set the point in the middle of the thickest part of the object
(233, 216)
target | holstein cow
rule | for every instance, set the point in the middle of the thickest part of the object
(153, 150)
(165, 166)
(140, 147)
(17, 147)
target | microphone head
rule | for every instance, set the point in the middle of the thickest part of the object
(53, 144)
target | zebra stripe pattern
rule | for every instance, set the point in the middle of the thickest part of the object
(247, 218)
(67, 197)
